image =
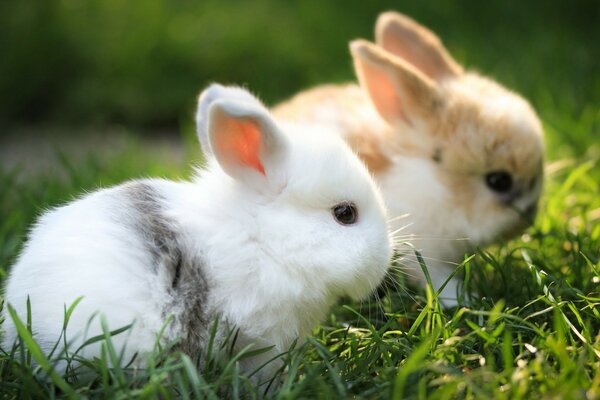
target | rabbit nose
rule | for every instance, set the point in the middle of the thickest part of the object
(514, 194)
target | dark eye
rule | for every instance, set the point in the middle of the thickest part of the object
(499, 181)
(345, 213)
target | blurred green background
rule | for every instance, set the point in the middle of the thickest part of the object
(141, 64)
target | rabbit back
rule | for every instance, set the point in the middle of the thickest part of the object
(119, 251)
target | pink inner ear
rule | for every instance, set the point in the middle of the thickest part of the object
(414, 55)
(242, 141)
(383, 92)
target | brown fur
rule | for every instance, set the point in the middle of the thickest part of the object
(432, 134)
(363, 137)
(476, 142)
(423, 104)
(368, 149)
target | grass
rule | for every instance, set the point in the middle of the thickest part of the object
(532, 330)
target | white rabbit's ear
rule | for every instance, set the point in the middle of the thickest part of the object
(416, 44)
(245, 140)
(397, 89)
(211, 94)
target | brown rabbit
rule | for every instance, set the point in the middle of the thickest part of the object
(457, 152)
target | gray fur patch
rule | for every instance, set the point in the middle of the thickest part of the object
(158, 233)
(188, 287)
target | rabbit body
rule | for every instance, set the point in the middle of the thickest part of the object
(457, 152)
(251, 240)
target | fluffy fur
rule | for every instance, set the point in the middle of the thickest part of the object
(430, 132)
(251, 240)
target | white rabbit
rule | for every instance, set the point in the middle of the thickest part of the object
(266, 238)
(456, 151)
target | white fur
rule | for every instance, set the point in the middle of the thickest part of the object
(412, 186)
(275, 258)
(432, 135)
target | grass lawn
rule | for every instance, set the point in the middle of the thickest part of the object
(532, 330)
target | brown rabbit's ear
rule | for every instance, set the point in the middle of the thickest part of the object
(416, 44)
(397, 89)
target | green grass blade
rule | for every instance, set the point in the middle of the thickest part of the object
(38, 355)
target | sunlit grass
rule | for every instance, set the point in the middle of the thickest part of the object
(530, 328)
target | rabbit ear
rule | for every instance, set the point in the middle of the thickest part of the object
(211, 94)
(398, 90)
(416, 44)
(245, 140)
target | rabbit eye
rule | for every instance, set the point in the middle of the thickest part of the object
(499, 181)
(345, 213)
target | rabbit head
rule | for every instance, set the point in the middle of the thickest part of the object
(482, 142)
(308, 206)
